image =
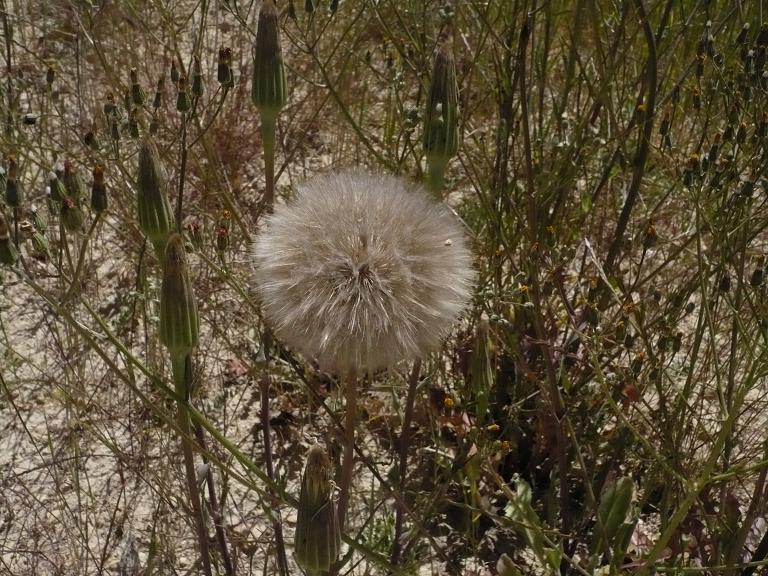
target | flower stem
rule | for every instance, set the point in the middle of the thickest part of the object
(268, 126)
(410, 400)
(182, 376)
(349, 448)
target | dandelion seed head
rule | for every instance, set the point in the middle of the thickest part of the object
(360, 271)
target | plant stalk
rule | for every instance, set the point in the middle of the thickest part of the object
(349, 448)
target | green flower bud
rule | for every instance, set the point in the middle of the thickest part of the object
(137, 93)
(57, 190)
(179, 323)
(183, 103)
(73, 182)
(98, 190)
(441, 120)
(71, 215)
(224, 68)
(14, 192)
(268, 87)
(318, 539)
(155, 214)
(158, 101)
(197, 78)
(174, 73)
(8, 254)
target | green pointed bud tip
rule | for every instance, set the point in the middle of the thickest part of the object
(98, 190)
(155, 214)
(179, 323)
(441, 121)
(268, 87)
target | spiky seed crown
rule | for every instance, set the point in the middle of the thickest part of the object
(360, 271)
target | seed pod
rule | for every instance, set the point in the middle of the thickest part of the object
(133, 123)
(756, 280)
(155, 214)
(137, 93)
(224, 68)
(699, 65)
(71, 215)
(334, 6)
(309, 6)
(50, 76)
(441, 120)
(318, 539)
(724, 285)
(179, 323)
(14, 191)
(8, 254)
(183, 104)
(73, 182)
(222, 238)
(762, 36)
(268, 88)
(665, 121)
(197, 78)
(98, 190)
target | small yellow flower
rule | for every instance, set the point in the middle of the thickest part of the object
(524, 288)
(493, 427)
(449, 402)
(506, 446)
(551, 229)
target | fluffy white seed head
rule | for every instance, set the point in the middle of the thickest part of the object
(359, 271)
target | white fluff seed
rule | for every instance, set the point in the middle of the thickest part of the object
(359, 271)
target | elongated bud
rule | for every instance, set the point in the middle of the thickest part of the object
(158, 101)
(57, 190)
(137, 93)
(482, 367)
(197, 78)
(155, 214)
(71, 215)
(183, 103)
(268, 88)
(73, 182)
(224, 68)
(441, 134)
(317, 528)
(8, 254)
(174, 73)
(14, 192)
(98, 190)
(179, 323)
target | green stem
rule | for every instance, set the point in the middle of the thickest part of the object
(182, 368)
(436, 166)
(349, 448)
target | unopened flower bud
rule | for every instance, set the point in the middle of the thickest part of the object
(224, 68)
(71, 215)
(155, 214)
(14, 191)
(179, 323)
(268, 88)
(197, 78)
(183, 103)
(318, 538)
(98, 190)
(137, 93)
